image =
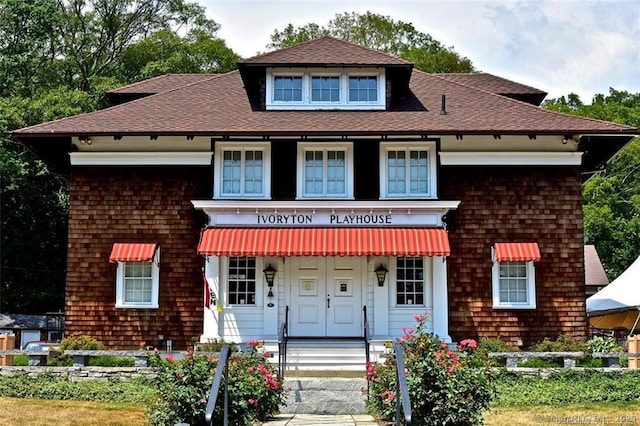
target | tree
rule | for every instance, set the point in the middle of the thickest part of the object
(380, 33)
(611, 200)
(57, 58)
(166, 52)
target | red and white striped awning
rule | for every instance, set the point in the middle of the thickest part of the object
(133, 252)
(219, 241)
(516, 252)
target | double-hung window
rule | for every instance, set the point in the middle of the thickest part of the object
(287, 88)
(410, 281)
(325, 171)
(407, 171)
(242, 171)
(138, 283)
(242, 281)
(513, 275)
(325, 89)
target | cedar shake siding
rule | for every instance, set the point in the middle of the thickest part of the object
(515, 204)
(152, 204)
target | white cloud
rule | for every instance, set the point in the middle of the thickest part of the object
(559, 46)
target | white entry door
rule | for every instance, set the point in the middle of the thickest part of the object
(326, 296)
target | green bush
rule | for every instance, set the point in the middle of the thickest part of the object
(486, 345)
(110, 361)
(183, 386)
(80, 342)
(443, 387)
(603, 344)
(215, 345)
(566, 387)
(48, 386)
(561, 344)
(21, 360)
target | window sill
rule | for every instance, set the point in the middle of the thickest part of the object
(513, 307)
(132, 306)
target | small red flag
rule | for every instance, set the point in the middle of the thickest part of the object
(207, 293)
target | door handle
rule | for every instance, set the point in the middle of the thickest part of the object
(328, 301)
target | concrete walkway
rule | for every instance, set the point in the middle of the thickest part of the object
(315, 419)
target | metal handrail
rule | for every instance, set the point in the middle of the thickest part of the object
(365, 333)
(402, 388)
(222, 372)
(282, 343)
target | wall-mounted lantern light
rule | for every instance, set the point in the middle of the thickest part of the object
(381, 273)
(269, 274)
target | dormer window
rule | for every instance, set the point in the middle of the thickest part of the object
(315, 88)
(287, 88)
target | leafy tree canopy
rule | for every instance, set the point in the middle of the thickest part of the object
(381, 33)
(611, 200)
(57, 59)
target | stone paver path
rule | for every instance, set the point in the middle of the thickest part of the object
(314, 419)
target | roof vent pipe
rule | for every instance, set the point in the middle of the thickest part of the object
(443, 110)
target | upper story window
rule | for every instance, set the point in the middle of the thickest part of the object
(321, 88)
(325, 171)
(242, 170)
(363, 89)
(325, 89)
(407, 170)
(287, 88)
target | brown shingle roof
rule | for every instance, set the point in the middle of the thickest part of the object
(491, 83)
(326, 51)
(161, 83)
(593, 271)
(219, 105)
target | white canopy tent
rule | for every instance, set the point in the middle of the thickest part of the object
(617, 306)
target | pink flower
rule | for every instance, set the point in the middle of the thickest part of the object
(253, 402)
(417, 318)
(290, 389)
(169, 358)
(468, 343)
(250, 369)
(142, 344)
(203, 400)
(266, 354)
(444, 345)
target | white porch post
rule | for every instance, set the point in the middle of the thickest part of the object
(211, 320)
(440, 302)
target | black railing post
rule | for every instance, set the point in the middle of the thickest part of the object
(402, 388)
(222, 372)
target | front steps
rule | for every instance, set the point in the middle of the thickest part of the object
(305, 354)
(314, 395)
(325, 376)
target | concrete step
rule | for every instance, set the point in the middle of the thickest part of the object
(325, 396)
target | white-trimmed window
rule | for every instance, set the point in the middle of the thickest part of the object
(241, 278)
(514, 285)
(410, 281)
(322, 88)
(242, 171)
(407, 171)
(138, 283)
(325, 171)
(287, 88)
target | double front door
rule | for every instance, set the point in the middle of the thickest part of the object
(326, 296)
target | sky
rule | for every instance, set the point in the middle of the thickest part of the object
(559, 46)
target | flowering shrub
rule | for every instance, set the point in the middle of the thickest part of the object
(255, 392)
(443, 387)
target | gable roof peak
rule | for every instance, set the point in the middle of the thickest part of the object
(326, 51)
